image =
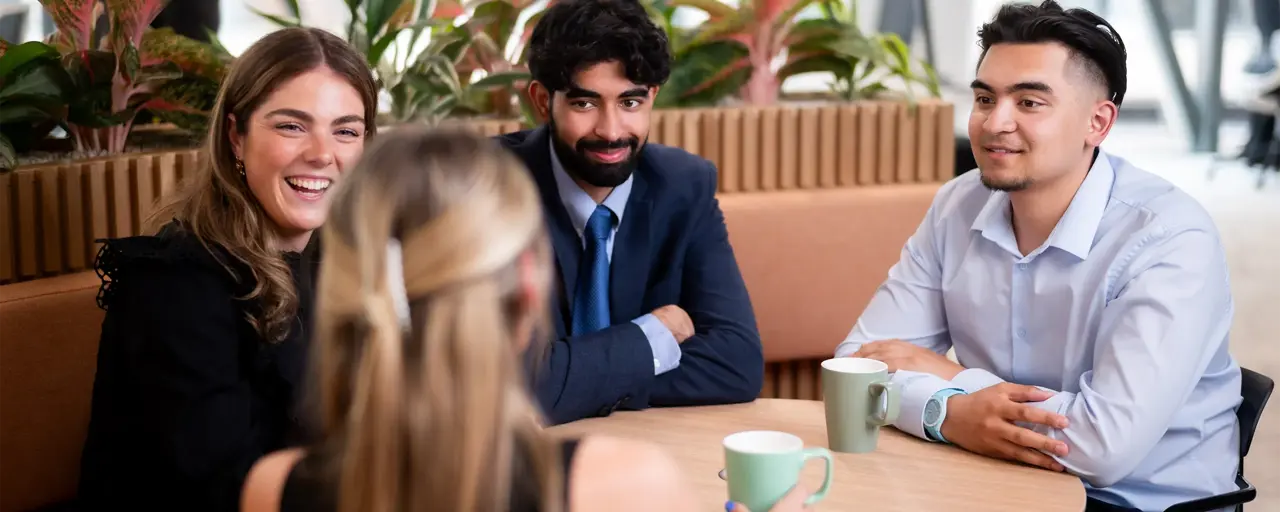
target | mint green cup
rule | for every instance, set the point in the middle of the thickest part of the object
(859, 399)
(763, 465)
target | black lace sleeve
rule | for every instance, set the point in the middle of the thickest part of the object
(120, 259)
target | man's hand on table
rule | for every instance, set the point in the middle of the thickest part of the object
(983, 422)
(901, 355)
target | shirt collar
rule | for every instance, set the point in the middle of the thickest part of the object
(1076, 229)
(576, 201)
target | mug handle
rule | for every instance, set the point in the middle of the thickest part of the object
(810, 453)
(886, 394)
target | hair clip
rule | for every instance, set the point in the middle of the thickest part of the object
(395, 282)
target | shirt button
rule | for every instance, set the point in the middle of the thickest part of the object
(1022, 266)
(1022, 333)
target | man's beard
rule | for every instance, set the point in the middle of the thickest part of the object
(598, 174)
(1005, 185)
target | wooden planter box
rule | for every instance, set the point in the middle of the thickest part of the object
(50, 214)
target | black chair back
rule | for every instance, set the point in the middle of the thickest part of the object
(1255, 389)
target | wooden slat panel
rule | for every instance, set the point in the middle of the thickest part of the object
(752, 149)
(887, 156)
(805, 381)
(144, 191)
(50, 221)
(868, 143)
(769, 148)
(28, 223)
(120, 202)
(788, 148)
(670, 128)
(731, 149)
(926, 143)
(8, 246)
(828, 146)
(76, 236)
(711, 134)
(99, 203)
(847, 157)
(187, 165)
(166, 174)
(907, 148)
(801, 380)
(786, 380)
(946, 142)
(691, 133)
(809, 147)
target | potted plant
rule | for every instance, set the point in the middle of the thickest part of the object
(72, 157)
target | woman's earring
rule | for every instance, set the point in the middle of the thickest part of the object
(240, 167)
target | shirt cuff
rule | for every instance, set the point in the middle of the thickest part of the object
(917, 388)
(666, 350)
(973, 380)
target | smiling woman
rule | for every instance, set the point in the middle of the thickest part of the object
(204, 345)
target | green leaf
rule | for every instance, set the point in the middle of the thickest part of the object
(8, 157)
(497, 19)
(813, 64)
(18, 56)
(22, 112)
(704, 75)
(131, 61)
(90, 69)
(504, 79)
(377, 14)
(48, 81)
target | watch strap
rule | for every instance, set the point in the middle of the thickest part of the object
(935, 431)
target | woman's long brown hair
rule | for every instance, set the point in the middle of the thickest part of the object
(433, 413)
(216, 205)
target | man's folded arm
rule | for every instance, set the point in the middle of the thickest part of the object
(589, 375)
(723, 362)
(1156, 339)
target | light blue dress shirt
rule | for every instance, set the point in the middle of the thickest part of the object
(666, 350)
(1124, 312)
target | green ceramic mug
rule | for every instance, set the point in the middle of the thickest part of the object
(859, 399)
(763, 465)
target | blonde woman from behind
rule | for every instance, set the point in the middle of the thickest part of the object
(434, 281)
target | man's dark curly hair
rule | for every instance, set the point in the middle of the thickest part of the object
(1093, 42)
(576, 34)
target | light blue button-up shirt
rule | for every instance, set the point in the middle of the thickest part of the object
(1124, 312)
(580, 206)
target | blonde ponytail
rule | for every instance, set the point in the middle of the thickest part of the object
(433, 416)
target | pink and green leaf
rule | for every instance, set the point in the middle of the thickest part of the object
(129, 19)
(74, 20)
(4, 47)
(191, 56)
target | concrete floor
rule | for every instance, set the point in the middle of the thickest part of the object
(1249, 221)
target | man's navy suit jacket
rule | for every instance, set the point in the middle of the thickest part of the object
(671, 248)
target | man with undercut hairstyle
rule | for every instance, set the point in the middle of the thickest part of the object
(651, 308)
(1087, 300)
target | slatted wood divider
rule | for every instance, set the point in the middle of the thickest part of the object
(800, 379)
(50, 214)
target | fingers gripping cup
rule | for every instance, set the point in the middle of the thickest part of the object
(762, 466)
(859, 399)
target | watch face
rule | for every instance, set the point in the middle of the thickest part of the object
(932, 409)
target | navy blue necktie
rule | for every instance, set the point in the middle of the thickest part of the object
(591, 298)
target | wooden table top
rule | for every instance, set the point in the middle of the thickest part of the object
(904, 473)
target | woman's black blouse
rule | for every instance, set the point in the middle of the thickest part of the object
(187, 396)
